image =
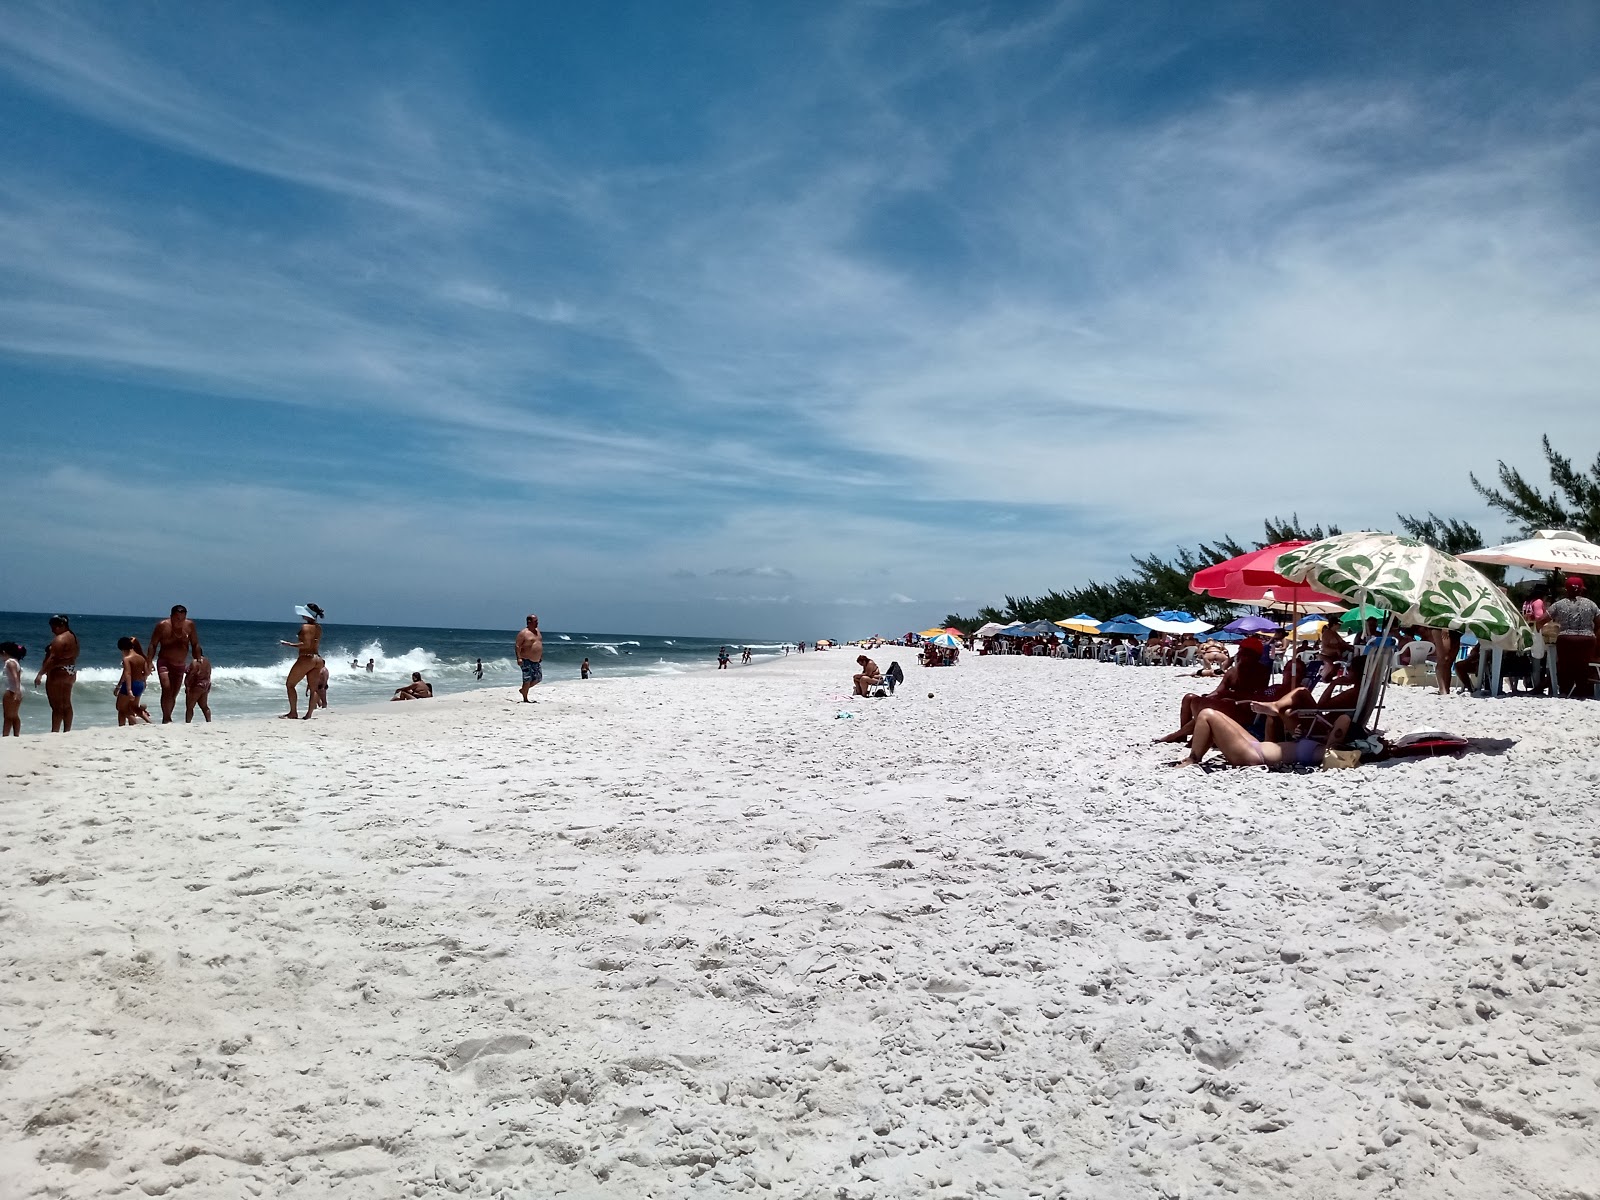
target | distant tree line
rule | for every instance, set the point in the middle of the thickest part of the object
(1158, 583)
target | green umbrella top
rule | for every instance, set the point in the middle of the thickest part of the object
(1420, 585)
(1356, 616)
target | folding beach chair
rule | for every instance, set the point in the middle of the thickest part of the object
(1368, 707)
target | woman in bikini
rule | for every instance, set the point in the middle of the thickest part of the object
(1216, 731)
(58, 673)
(306, 659)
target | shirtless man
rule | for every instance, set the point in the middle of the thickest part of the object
(530, 655)
(58, 673)
(197, 688)
(170, 646)
(306, 660)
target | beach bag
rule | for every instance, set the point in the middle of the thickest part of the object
(1338, 760)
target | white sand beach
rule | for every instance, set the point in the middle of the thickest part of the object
(702, 936)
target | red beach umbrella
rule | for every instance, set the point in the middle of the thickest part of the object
(1249, 578)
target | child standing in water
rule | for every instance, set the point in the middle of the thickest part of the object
(197, 688)
(130, 687)
(11, 688)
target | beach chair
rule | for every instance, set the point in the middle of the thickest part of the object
(1365, 713)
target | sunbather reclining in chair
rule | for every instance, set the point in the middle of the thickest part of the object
(1291, 712)
(1246, 680)
(1215, 731)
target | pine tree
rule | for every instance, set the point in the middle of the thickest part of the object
(1573, 504)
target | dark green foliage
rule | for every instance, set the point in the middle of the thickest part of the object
(1279, 530)
(1157, 583)
(1573, 504)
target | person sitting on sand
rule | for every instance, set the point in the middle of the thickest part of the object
(1245, 680)
(867, 676)
(1214, 730)
(417, 689)
(1213, 660)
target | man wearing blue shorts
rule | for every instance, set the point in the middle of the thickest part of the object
(530, 655)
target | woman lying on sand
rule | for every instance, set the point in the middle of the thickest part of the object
(1214, 730)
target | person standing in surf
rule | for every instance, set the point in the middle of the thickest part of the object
(530, 656)
(58, 673)
(306, 659)
(171, 644)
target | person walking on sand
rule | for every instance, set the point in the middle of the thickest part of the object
(173, 640)
(59, 672)
(130, 685)
(11, 656)
(197, 689)
(530, 656)
(305, 659)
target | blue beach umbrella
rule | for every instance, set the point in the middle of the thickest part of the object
(1127, 625)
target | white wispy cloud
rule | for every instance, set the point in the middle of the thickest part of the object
(1115, 335)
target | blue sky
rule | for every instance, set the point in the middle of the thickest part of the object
(784, 319)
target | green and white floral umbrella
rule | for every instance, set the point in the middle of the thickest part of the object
(1420, 585)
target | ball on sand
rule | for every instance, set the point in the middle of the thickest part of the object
(930, 695)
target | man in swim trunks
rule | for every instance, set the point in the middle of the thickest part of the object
(305, 661)
(170, 646)
(530, 655)
(58, 673)
(197, 688)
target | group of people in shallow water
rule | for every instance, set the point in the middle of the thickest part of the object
(174, 654)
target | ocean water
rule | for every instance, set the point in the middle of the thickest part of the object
(249, 667)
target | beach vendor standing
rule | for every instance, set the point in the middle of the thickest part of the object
(173, 640)
(305, 658)
(1579, 619)
(530, 656)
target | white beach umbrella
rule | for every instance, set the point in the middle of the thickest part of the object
(1174, 621)
(1546, 550)
(1417, 583)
